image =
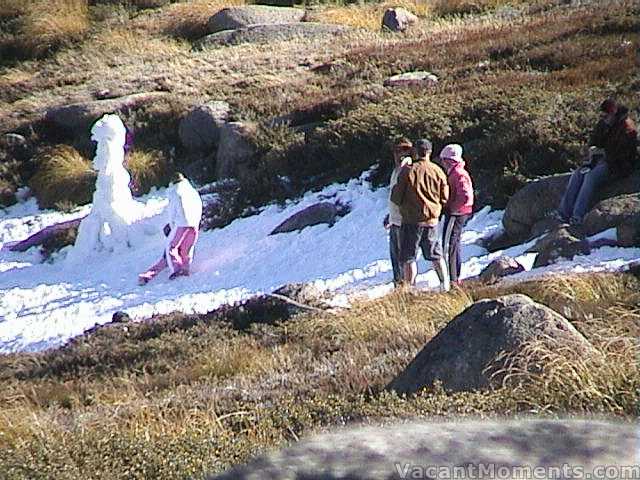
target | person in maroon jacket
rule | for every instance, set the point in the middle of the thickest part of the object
(613, 155)
(458, 208)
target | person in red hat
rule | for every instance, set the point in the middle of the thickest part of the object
(612, 154)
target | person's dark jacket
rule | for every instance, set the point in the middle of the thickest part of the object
(619, 141)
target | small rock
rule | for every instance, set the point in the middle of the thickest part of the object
(412, 79)
(559, 243)
(500, 267)
(323, 212)
(398, 19)
(120, 317)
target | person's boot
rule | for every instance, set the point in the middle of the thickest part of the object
(443, 274)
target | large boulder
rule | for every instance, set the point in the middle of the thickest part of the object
(611, 212)
(235, 150)
(268, 33)
(200, 128)
(466, 354)
(532, 203)
(222, 202)
(500, 267)
(323, 212)
(462, 449)
(398, 19)
(78, 117)
(232, 18)
(559, 243)
(538, 198)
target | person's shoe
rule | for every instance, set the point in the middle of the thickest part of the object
(575, 222)
(142, 280)
(179, 273)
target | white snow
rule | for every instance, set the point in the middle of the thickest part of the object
(42, 305)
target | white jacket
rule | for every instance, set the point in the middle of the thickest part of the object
(185, 205)
(394, 210)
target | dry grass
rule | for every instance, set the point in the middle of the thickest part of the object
(209, 396)
(367, 15)
(63, 175)
(148, 169)
(49, 24)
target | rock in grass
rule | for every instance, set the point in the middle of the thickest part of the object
(235, 150)
(469, 350)
(398, 19)
(78, 117)
(437, 449)
(233, 18)
(199, 130)
(267, 33)
(412, 79)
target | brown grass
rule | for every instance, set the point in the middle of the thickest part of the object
(49, 24)
(148, 169)
(367, 15)
(63, 175)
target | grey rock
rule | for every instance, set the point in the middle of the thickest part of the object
(200, 128)
(533, 203)
(500, 267)
(222, 203)
(538, 198)
(398, 19)
(406, 450)
(628, 232)
(323, 212)
(412, 79)
(611, 212)
(235, 150)
(79, 116)
(302, 295)
(561, 242)
(465, 355)
(233, 18)
(267, 33)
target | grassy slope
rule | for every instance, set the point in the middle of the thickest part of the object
(520, 91)
(183, 395)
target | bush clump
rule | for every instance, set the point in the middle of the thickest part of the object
(148, 169)
(63, 177)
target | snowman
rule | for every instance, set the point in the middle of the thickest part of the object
(108, 226)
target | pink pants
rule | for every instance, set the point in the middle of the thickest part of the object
(178, 254)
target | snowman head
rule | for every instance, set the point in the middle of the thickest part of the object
(109, 129)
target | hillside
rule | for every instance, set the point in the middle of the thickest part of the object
(185, 378)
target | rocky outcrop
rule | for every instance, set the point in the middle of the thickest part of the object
(233, 18)
(79, 116)
(611, 212)
(628, 232)
(559, 243)
(200, 129)
(412, 79)
(235, 151)
(268, 33)
(510, 449)
(500, 267)
(538, 198)
(468, 352)
(323, 212)
(398, 19)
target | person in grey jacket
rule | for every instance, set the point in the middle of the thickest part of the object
(402, 151)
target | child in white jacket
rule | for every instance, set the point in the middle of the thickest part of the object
(185, 212)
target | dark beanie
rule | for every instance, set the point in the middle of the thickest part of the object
(609, 106)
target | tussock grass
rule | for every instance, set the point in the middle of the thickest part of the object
(183, 395)
(148, 169)
(63, 175)
(50, 24)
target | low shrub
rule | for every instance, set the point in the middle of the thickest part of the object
(62, 175)
(148, 169)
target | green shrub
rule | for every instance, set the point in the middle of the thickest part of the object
(63, 175)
